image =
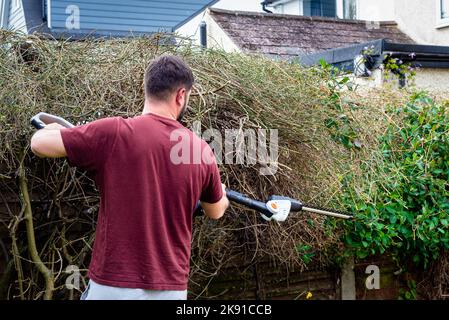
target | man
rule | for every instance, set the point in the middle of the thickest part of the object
(144, 227)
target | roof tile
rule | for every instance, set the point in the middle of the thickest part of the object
(290, 35)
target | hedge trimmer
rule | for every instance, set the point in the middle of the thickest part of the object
(275, 208)
(279, 207)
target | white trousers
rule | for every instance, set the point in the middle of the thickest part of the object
(96, 291)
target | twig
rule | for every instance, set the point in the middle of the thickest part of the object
(46, 273)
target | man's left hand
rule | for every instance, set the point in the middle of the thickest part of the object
(53, 126)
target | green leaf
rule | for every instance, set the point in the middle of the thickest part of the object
(393, 219)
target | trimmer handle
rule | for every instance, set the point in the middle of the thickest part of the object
(276, 208)
(237, 197)
(240, 198)
(40, 120)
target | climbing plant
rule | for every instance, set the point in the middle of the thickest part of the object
(404, 204)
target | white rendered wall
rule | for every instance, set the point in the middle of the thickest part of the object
(191, 29)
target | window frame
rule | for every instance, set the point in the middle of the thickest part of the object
(321, 9)
(440, 22)
(341, 9)
(344, 11)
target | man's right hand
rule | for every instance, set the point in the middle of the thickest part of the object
(216, 210)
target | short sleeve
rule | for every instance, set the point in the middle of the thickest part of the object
(88, 146)
(212, 190)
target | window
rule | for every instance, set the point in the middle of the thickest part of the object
(320, 8)
(350, 9)
(442, 13)
(444, 9)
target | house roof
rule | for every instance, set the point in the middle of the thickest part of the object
(111, 17)
(290, 35)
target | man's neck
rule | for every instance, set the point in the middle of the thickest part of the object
(159, 110)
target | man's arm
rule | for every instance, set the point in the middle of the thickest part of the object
(47, 142)
(216, 210)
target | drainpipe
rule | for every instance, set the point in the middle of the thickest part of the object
(264, 6)
(203, 34)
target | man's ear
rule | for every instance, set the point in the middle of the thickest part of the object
(181, 97)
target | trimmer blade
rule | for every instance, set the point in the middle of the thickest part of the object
(327, 212)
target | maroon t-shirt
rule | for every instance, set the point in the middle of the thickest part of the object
(150, 178)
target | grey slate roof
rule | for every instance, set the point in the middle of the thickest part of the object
(290, 35)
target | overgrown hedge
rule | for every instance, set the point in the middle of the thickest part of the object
(404, 204)
(328, 140)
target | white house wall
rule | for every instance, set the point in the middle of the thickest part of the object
(191, 29)
(289, 7)
(434, 80)
(418, 19)
(379, 10)
(217, 38)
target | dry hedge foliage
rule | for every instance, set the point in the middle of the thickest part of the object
(91, 79)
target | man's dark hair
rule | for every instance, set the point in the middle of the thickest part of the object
(165, 75)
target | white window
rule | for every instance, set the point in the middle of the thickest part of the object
(347, 9)
(442, 13)
(350, 9)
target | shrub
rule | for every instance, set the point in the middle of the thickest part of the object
(404, 205)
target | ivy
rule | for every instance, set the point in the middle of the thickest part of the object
(405, 206)
(305, 253)
(340, 126)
